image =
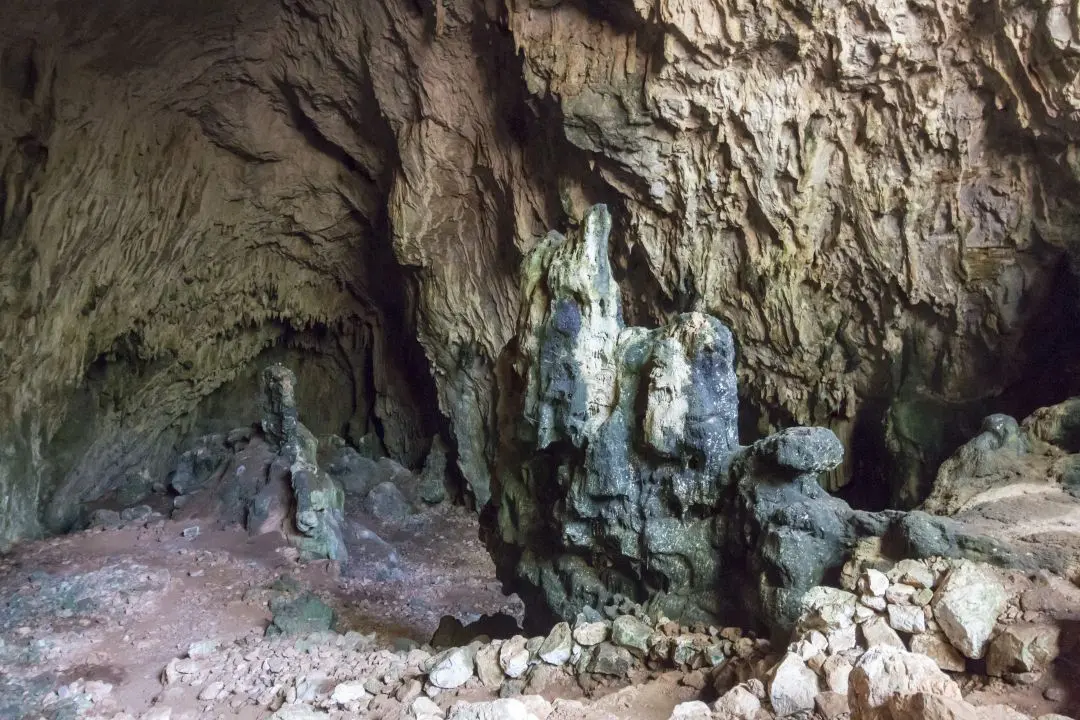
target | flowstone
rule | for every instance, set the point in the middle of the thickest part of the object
(620, 472)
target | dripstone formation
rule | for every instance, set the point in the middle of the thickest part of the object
(620, 471)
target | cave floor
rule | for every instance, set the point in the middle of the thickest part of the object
(93, 624)
(117, 605)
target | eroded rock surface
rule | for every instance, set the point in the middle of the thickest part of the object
(877, 199)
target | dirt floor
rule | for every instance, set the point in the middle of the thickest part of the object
(155, 621)
(89, 622)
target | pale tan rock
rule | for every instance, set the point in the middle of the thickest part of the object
(738, 703)
(926, 706)
(1023, 649)
(876, 632)
(938, 648)
(831, 705)
(885, 672)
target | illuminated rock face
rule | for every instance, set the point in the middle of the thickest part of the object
(877, 199)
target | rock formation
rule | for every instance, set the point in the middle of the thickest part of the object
(877, 200)
(620, 470)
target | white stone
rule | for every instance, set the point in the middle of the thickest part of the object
(884, 672)
(792, 686)
(692, 710)
(825, 608)
(874, 583)
(907, 619)
(505, 709)
(899, 594)
(877, 604)
(936, 647)
(557, 646)
(967, 605)
(590, 633)
(513, 657)
(738, 703)
(841, 639)
(914, 573)
(348, 692)
(837, 671)
(452, 668)
(876, 632)
(425, 707)
(211, 691)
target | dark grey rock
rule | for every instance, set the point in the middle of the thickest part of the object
(609, 659)
(299, 615)
(432, 485)
(198, 465)
(105, 518)
(356, 473)
(620, 472)
(386, 503)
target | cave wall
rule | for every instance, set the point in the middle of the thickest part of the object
(877, 198)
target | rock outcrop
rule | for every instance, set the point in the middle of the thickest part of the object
(877, 200)
(620, 470)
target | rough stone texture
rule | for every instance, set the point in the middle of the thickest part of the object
(967, 605)
(792, 686)
(886, 673)
(186, 189)
(1024, 648)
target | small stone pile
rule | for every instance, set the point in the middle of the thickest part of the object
(878, 649)
(594, 649)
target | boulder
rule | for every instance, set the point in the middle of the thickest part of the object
(914, 573)
(692, 710)
(926, 706)
(1024, 648)
(885, 672)
(837, 672)
(792, 686)
(907, 619)
(557, 645)
(611, 659)
(452, 668)
(629, 632)
(967, 605)
(738, 703)
(487, 666)
(590, 633)
(832, 705)
(938, 648)
(876, 632)
(386, 503)
(873, 582)
(514, 657)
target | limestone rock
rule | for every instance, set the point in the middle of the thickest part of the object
(876, 632)
(832, 705)
(611, 660)
(590, 633)
(452, 668)
(487, 666)
(691, 710)
(629, 632)
(557, 646)
(928, 706)
(885, 673)
(347, 692)
(907, 619)
(938, 648)
(913, 573)
(385, 503)
(1025, 648)
(873, 582)
(837, 672)
(514, 657)
(966, 606)
(792, 686)
(738, 703)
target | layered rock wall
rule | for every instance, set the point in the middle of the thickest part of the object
(876, 198)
